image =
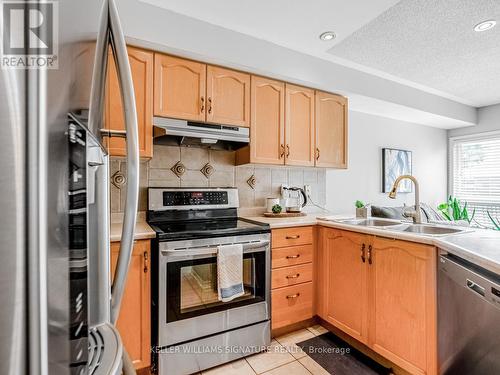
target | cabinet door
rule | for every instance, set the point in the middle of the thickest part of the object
(134, 323)
(228, 96)
(344, 280)
(179, 88)
(267, 126)
(331, 130)
(299, 125)
(141, 66)
(403, 304)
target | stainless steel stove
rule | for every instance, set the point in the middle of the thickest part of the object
(192, 329)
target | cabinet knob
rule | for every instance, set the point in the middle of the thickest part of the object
(146, 258)
(293, 296)
(202, 108)
(293, 237)
(363, 258)
(292, 256)
(317, 153)
(287, 151)
(293, 276)
(370, 254)
(282, 150)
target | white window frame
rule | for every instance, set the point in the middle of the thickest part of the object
(467, 137)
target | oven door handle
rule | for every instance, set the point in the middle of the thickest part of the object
(247, 248)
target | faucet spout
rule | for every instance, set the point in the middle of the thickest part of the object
(416, 215)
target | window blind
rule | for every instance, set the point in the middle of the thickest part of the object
(476, 175)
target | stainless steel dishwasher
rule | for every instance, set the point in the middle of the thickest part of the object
(468, 318)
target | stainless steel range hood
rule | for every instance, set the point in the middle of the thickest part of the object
(181, 132)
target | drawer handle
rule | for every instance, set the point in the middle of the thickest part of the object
(293, 276)
(293, 296)
(293, 237)
(292, 256)
(363, 258)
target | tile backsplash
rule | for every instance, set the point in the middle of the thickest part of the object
(158, 172)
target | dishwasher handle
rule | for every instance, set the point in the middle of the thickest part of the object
(475, 287)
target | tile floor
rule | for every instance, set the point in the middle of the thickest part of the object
(284, 358)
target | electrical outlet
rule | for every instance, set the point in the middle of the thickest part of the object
(308, 190)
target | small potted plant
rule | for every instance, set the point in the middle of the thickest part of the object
(361, 209)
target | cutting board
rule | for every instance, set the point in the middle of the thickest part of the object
(285, 214)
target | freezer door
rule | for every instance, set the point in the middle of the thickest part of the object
(34, 277)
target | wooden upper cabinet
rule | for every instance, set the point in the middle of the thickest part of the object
(403, 304)
(134, 321)
(299, 125)
(228, 96)
(331, 130)
(345, 280)
(179, 88)
(141, 66)
(267, 126)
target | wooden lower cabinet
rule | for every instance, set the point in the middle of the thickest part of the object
(134, 321)
(403, 304)
(344, 285)
(383, 294)
(291, 304)
(292, 296)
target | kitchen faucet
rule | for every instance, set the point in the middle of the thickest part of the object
(415, 214)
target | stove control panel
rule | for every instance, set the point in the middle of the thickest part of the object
(194, 198)
(186, 199)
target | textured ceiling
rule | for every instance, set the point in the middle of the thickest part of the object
(295, 24)
(432, 43)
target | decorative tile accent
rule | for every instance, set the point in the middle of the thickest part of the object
(118, 180)
(207, 170)
(179, 169)
(252, 181)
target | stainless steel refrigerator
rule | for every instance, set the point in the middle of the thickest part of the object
(58, 307)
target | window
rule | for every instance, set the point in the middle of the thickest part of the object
(475, 174)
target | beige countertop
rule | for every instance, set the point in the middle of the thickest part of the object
(142, 231)
(481, 247)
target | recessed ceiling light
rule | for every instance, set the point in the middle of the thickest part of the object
(327, 35)
(485, 25)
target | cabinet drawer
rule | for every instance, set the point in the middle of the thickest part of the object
(291, 256)
(292, 236)
(291, 304)
(293, 275)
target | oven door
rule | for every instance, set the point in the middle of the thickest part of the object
(188, 301)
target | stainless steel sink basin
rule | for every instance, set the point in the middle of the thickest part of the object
(371, 222)
(431, 230)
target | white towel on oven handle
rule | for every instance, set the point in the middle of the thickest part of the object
(230, 272)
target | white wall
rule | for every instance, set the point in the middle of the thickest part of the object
(368, 134)
(488, 120)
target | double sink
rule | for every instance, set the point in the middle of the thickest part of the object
(422, 229)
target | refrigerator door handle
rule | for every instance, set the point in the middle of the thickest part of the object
(132, 197)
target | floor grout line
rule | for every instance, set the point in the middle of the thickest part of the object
(248, 363)
(309, 371)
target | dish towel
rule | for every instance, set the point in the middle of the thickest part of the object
(230, 272)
